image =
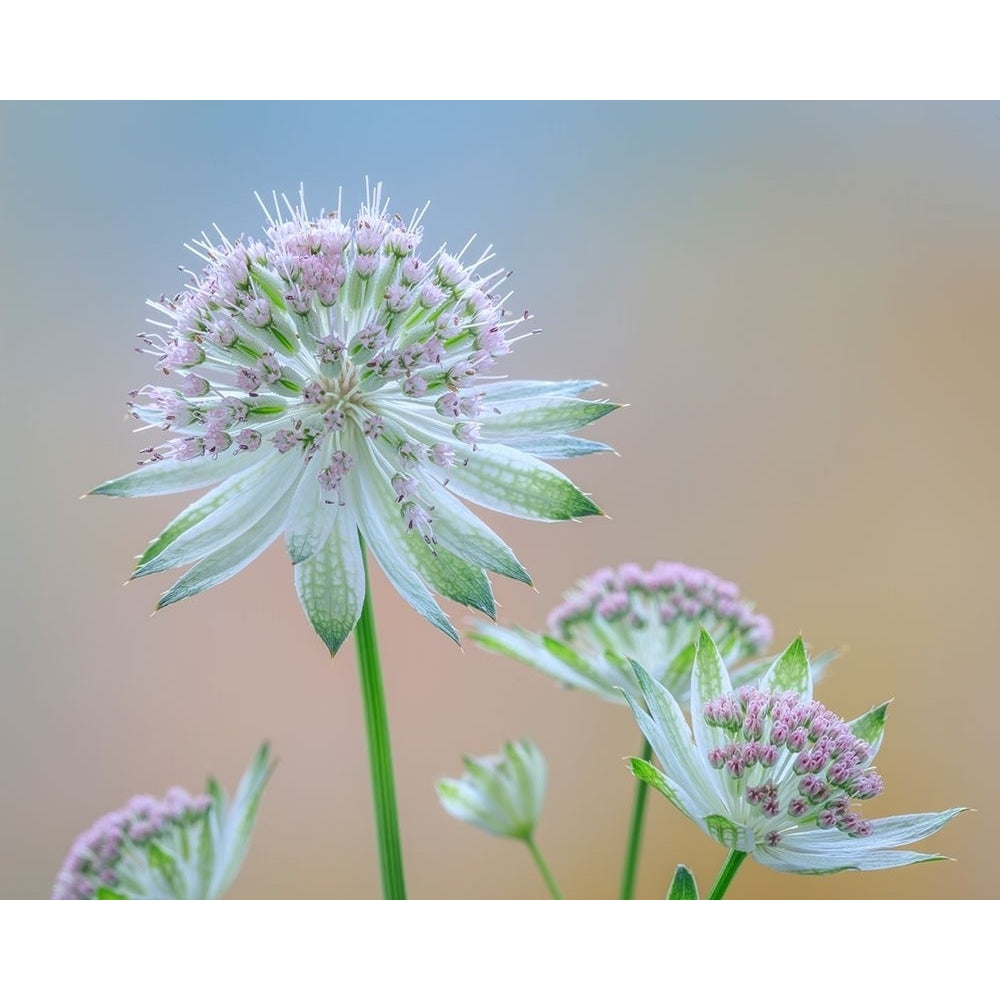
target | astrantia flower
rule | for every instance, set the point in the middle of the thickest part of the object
(770, 772)
(182, 846)
(651, 616)
(502, 795)
(336, 383)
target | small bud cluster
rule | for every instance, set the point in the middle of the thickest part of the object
(798, 763)
(327, 328)
(113, 853)
(670, 600)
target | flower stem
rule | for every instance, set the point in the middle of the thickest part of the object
(543, 868)
(635, 831)
(379, 749)
(729, 869)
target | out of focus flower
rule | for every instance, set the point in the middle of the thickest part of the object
(651, 616)
(771, 773)
(503, 794)
(182, 846)
(335, 384)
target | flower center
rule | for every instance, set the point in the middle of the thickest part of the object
(342, 390)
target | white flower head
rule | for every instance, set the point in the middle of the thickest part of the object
(652, 616)
(502, 794)
(336, 383)
(182, 846)
(768, 771)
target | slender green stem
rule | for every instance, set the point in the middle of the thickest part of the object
(379, 750)
(543, 868)
(635, 831)
(729, 869)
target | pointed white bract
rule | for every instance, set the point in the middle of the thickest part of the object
(502, 795)
(652, 616)
(770, 772)
(182, 846)
(335, 384)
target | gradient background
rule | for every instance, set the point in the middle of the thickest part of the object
(799, 301)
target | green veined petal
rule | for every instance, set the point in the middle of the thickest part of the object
(512, 482)
(312, 511)
(444, 572)
(501, 419)
(790, 672)
(505, 389)
(670, 790)
(709, 679)
(383, 546)
(870, 727)
(673, 742)
(555, 446)
(234, 833)
(464, 534)
(170, 476)
(331, 582)
(528, 648)
(223, 563)
(221, 515)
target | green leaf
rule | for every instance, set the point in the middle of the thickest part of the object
(790, 672)
(683, 885)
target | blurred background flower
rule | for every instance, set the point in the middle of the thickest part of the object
(182, 846)
(651, 616)
(799, 301)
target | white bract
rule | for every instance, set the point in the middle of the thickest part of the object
(768, 771)
(182, 846)
(335, 384)
(503, 794)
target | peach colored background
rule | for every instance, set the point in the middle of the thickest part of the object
(800, 303)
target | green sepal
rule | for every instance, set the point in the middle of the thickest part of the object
(725, 831)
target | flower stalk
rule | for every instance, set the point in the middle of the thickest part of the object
(727, 873)
(543, 868)
(635, 830)
(379, 748)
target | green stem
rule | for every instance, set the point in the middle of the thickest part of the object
(729, 869)
(635, 830)
(543, 868)
(379, 750)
